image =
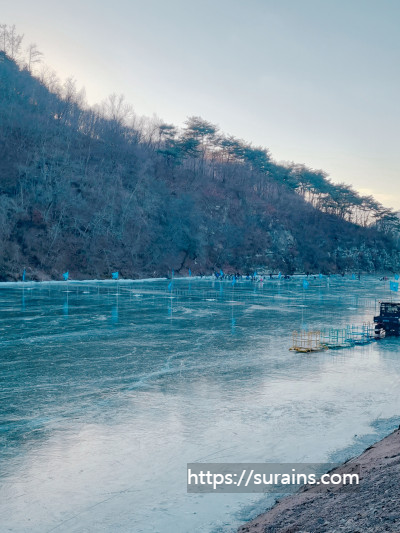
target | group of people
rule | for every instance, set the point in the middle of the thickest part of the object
(221, 276)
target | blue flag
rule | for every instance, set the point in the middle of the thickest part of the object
(279, 275)
(305, 284)
(66, 276)
(115, 275)
(23, 274)
(396, 276)
(353, 276)
(170, 286)
(320, 276)
(190, 272)
(394, 286)
(221, 272)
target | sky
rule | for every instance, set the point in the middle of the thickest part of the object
(315, 81)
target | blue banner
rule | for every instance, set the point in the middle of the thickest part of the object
(190, 272)
(23, 274)
(394, 286)
(115, 275)
(66, 276)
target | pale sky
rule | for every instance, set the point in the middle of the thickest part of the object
(315, 81)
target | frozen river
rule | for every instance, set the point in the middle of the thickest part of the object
(108, 390)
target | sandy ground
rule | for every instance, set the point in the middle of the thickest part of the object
(371, 508)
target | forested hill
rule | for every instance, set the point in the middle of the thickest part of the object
(91, 190)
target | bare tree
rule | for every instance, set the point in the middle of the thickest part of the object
(49, 78)
(3, 37)
(14, 42)
(34, 56)
(116, 109)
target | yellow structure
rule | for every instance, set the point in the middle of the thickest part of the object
(307, 341)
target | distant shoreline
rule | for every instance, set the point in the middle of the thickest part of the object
(209, 277)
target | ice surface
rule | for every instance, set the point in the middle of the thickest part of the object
(107, 390)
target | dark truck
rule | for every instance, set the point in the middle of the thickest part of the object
(387, 323)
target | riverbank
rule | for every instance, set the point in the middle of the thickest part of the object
(372, 508)
(261, 276)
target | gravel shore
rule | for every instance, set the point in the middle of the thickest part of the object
(371, 508)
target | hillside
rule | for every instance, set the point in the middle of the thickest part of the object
(97, 189)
